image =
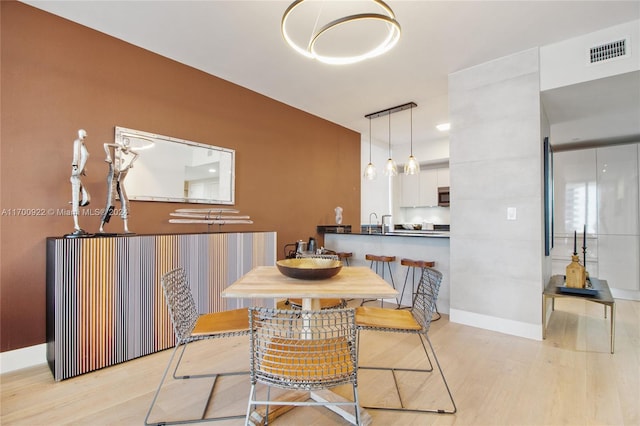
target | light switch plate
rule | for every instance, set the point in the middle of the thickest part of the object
(511, 213)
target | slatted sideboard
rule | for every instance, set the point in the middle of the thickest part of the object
(104, 300)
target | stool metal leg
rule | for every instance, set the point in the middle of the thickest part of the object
(392, 282)
(413, 283)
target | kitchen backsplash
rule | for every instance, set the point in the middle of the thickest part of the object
(435, 215)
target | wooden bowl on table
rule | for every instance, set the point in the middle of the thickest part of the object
(309, 268)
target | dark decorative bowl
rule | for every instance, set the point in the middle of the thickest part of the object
(309, 268)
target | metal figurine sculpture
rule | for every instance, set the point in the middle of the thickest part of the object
(80, 156)
(120, 158)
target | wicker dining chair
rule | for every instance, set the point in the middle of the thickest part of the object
(414, 321)
(302, 350)
(190, 326)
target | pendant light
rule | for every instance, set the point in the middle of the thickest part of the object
(412, 166)
(390, 169)
(370, 171)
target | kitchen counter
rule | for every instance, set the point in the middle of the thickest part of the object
(410, 244)
(405, 233)
(377, 231)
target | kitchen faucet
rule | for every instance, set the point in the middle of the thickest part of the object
(372, 214)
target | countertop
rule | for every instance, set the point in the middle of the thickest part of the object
(402, 233)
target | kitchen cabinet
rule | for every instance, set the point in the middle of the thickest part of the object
(422, 190)
(575, 191)
(618, 261)
(443, 177)
(409, 190)
(428, 188)
(600, 187)
(617, 168)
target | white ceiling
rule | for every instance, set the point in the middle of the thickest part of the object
(240, 41)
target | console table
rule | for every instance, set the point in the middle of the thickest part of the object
(602, 297)
(104, 299)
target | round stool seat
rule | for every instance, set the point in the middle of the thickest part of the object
(376, 258)
(417, 263)
(411, 266)
(345, 256)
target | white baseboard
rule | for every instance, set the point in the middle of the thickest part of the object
(501, 325)
(625, 294)
(23, 358)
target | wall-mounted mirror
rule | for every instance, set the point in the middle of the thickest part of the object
(177, 170)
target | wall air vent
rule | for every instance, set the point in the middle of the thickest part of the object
(608, 51)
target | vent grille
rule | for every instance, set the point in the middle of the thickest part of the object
(607, 51)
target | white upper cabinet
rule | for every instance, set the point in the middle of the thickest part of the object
(422, 190)
(409, 190)
(575, 206)
(443, 177)
(429, 188)
(617, 168)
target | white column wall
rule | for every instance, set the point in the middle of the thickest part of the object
(496, 163)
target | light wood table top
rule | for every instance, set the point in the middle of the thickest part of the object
(350, 282)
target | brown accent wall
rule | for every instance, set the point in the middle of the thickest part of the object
(292, 168)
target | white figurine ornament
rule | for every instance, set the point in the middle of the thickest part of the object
(338, 211)
(80, 157)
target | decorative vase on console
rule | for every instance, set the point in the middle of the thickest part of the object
(576, 274)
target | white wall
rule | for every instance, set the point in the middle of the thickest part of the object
(375, 195)
(567, 62)
(496, 164)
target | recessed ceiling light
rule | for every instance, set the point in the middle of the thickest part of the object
(212, 170)
(443, 127)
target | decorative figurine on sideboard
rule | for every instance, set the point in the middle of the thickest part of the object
(338, 211)
(80, 157)
(120, 158)
(576, 274)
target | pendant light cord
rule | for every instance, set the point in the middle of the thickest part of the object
(389, 134)
(369, 141)
(411, 129)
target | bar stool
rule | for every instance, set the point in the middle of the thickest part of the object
(378, 262)
(411, 266)
(344, 257)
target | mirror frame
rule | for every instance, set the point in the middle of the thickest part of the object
(138, 137)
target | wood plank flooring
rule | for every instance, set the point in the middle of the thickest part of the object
(568, 379)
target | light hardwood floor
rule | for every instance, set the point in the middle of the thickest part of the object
(496, 379)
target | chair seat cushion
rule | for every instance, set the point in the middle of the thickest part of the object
(232, 321)
(395, 319)
(307, 360)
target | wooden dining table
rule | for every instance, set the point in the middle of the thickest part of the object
(350, 282)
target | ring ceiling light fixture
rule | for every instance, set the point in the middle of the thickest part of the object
(358, 31)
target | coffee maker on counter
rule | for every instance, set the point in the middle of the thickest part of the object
(300, 247)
